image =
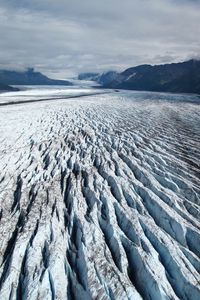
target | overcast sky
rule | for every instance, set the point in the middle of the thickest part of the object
(64, 37)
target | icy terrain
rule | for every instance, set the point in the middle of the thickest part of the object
(37, 94)
(100, 197)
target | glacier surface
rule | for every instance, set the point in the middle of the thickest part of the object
(100, 196)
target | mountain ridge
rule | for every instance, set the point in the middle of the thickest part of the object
(181, 77)
(28, 77)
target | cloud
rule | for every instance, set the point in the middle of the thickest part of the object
(65, 37)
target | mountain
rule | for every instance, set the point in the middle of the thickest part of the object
(29, 77)
(101, 78)
(88, 76)
(176, 77)
(107, 77)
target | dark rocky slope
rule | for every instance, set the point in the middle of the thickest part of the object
(29, 77)
(177, 77)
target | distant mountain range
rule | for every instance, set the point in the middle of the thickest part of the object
(101, 78)
(29, 77)
(88, 76)
(176, 77)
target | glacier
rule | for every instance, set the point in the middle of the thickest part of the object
(99, 195)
